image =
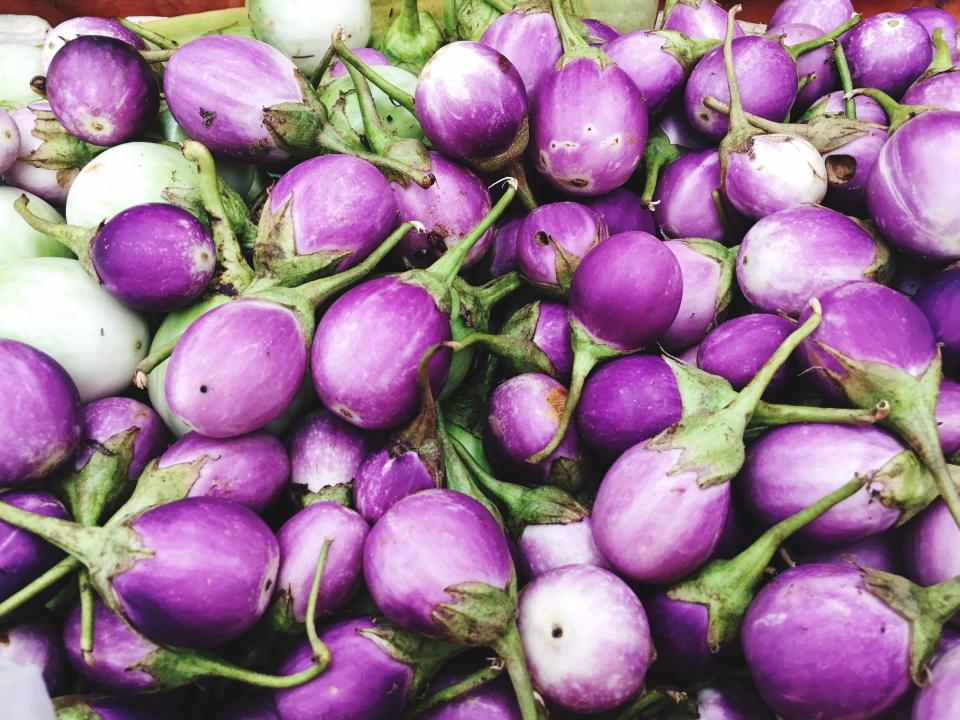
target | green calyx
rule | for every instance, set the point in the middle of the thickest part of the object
(469, 19)
(741, 131)
(520, 355)
(477, 614)
(686, 50)
(467, 408)
(897, 113)
(657, 154)
(726, 587)
(425, 657)
(58, 150)
(412, 38)
(76, 239)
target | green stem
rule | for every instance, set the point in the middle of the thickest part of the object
(379, 139)
(206, 665)
(496, 290)
(317, 77)
(448, 694)
(846, 81)
(774, 415)
(897, 113)
(409, 19)
(658, 153)
(448, 266)
(519, 171)
(717, 199)
(150, 362)
(941, 57)
(510, 649)
(233, 273)
(330, 141)
(156, 56)
(75, 239)
(799, 49)
(321, 652)
(84, 543)
(943, 599)
(738, 118)
(522, 355)
(161, 41)
(399, 95)
(572, 40)
(51, 577)
(87, 600)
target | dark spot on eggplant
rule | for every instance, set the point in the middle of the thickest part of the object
(579, 182)
(102, 333)
(260, 147)
(346, 413)
(268, 585)
(893, 22)
(704, 117)
(589, 128)
(746, 259)
(4, 639)
(556, 399)
(96, 125)
(557, 631)
(541, 238)
(840, 169)
(203, 389)
(207, 116)
(138, 345)
(38, 83)
(553, 144)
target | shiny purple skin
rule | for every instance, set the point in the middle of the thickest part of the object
(622, 211)
(932, 18)
(658, 74)
(471, 101)
(530, 40)
(582, 144)
(791, 467)
(301, 539)
(702, 293)
(939, 299)
(653, 523)
(34, 640)
(545, 547)
(86, 25)
(678, 130)
(626, 401)
(879, 552)
(117, 648)
(250, 470)
(601, 654)
(373, 58)
(730, 699)
(384, 478)
(237, 367)
(217, 88)
(40, 418)
(794, 255)
(448, 210)
(627, 291)
(522, 415)
(940, 698)
(503, 256)
(931, 546)
(920, 217)
(102, 419)
(683, 205)
(819, 644)
(940, 90)
(368, 346)
(155, 257)
(575, 228)
(824, 14)
(362, 680)
(600, 33)
(737, 349)
(25, 556)
(768, 84)
(112, 106)
(426, 543)
(948, 417)
(220, 559)
(679, 630)
(704, 19)
(336, 203)
(491, 701)
(866, 321)
(326, 451)
(816, 63)
(738, 532)
(9, 141)
(552, 336)
(888, 52)
(50, 185)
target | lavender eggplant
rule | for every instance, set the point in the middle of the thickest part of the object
(888, 52)
(41, 417)
(707, 271)
(819, 13)
(703, 19)
(26, 557)
(929, 549)
(622, 211)
(114, 106)
(666, 525)
(586, 152)
(939, 300)
(695, 621)
(933, 19)
(503, 251)
(544, 324)
(458, 694)
(387, 476)
(412, 38)
(630, 275)
(33, 641)
(736, 349)
(880, 552)
(579, 660)
(939, 698)
(325, 455)
(546, 547)
(110, 416)
(73, 28)
(948, 418)
(464, 592)
(884, 618)
(793, 255)
(528, 37)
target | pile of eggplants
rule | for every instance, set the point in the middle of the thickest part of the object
(513, 367)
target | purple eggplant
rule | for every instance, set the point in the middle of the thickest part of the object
(105, 418)
(461, 590)
(387, 476)
(60, 34)
(729, 699)
(888, 354)
(930, 549)
(472, 105)
(658, 62)
(544, 323)
(503, 253)
(704, 19)
(918, 217)
(552, 241)
(695, 622)
(819, 13)
(9, 141)
(707, 270)
(833, 641)
(40, 419)
(586, 638)
(546, 547)
(622, 211)
(493, 700)
(662, 505)
(325, 453)
(249, 469)
(816, 65)
(948, 417)
(933, 18)
(736, 349)
(155, 257)
(888, 52)
(34, 640)
(939, 90)
(599, 33)
(880, 552)
(793, 255)
(114, 105)
(688, 202)
(25, 556)
(528, 37)
(939, 299)
(790, 467)
(579, 143)
(625, 293)
(333, 210)
(940, 698)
